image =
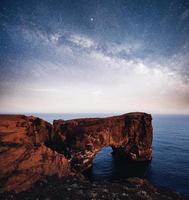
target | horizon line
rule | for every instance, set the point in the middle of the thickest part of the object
(83, 113)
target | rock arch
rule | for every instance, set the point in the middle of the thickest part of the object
(32, 147)
(80, 140)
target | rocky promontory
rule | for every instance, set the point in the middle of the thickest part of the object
(129, 135)
(40, 160)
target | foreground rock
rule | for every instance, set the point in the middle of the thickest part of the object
(24, 158)
(78, 188)
(129, 135)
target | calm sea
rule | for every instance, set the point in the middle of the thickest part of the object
(170, 163)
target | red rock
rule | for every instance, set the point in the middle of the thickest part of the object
(81, 139)
(24, 158)
(31, 148)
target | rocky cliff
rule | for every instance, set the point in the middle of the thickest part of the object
(31, 148)
(24, 157)
(129, 135)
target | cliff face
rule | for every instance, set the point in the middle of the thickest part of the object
(129, 135)
(24, 158)
(31, 148)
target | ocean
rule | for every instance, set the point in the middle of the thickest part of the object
(170, 163)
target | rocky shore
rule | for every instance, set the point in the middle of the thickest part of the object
(32, 148)
(77, 187)
(39, 160)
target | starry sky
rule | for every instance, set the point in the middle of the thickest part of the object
(94, 56)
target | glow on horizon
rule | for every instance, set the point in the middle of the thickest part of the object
(120, 86)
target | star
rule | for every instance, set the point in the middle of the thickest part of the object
(91, 19)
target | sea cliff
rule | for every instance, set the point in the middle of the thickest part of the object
(41, 160)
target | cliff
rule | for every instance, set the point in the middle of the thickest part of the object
(24, 157)
(31, 148)
(129, 135)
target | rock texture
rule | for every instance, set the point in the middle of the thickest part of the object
(129, 135)
(24, 158)
(34, 155)
(76, 187)
(31, 148)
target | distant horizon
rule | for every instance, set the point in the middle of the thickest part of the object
(87, 113)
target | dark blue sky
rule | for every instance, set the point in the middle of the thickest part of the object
(50, 45)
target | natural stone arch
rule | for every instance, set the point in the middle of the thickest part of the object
(80, 140)
(32, 147)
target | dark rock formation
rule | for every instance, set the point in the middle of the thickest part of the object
(24, 158)
(77, 187)
(129, 135)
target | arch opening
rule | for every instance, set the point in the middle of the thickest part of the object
(106, 165)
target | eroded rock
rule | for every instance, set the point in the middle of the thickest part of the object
(129, 135)
(24, 158)
(31, 148)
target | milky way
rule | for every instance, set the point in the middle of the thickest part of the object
(94, 56)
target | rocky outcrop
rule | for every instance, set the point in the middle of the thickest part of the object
(129, 135)
(31, 148)
(24, 158)
(35, 153)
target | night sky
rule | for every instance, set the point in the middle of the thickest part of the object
(94, 56)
